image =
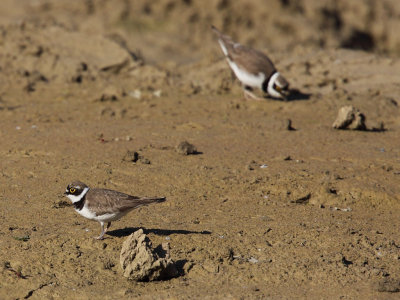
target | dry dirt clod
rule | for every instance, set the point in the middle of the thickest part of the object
(131, 156)
(350, 117)
(134, 156)
(251, 165)
(186, 148)
(142, 263)
(109, 94)
(302, 200)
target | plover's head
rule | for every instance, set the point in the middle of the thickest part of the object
(277, 86)
(76, 191)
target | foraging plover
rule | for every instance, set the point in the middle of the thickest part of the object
(253, 68)
(103, 205)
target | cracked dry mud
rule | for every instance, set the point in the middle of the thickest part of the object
(261, 211)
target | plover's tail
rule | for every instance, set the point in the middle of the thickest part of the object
(149, 200)
(213, 28)
(224, 41)
(135, 202)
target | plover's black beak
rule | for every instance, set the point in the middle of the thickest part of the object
(284, 93)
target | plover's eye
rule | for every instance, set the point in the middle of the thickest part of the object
(72, 190)
(276, 87)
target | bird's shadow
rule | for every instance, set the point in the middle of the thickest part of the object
(129, 230)
(297, 95)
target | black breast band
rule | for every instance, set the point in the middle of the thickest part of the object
(79, 205)
(266, 81)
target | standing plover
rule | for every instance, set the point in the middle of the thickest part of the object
(253, 68)
(104, 205)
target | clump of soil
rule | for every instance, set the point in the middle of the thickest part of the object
(141, 262)
(186, 148)
(350, 117)
(134, 157)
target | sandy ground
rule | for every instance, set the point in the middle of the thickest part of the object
(261, 212)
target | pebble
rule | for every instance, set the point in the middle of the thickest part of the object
(137, 94)
(157, 93)
(186, 148)
(253, 260)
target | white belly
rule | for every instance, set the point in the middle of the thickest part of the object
(247, 78)
(109, 217)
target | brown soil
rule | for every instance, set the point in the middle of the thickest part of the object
(259, 211)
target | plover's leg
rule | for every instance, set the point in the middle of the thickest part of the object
(101, 236)
(248, 95)
(108, 226)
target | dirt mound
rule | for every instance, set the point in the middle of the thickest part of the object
(54, 54)
(141, 263)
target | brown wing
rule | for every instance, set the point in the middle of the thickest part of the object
(251, 60)
(103, 201)
(245, 57)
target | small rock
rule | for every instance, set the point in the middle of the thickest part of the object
(108, 111)
(108, 264)
(350, 117)
(186, 148)
(137, 94)
(131, 156)
(144, 160)
(251, 165)
(142, 263)
(302, 200)
(252, 260)
(134, 156)
(157, 93)
(109, 94)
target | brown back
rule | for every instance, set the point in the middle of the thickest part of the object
(102, 201)
(253, 61)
